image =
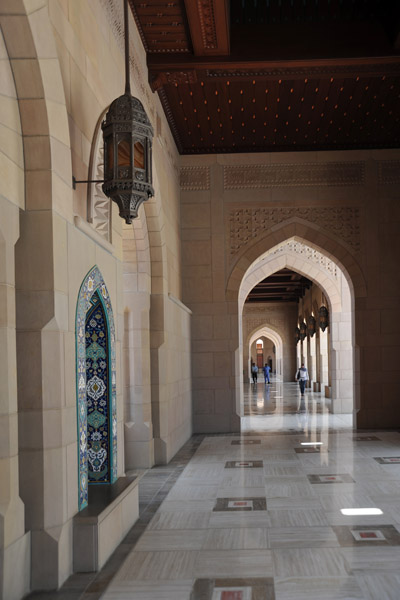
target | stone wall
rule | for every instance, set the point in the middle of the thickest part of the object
(235, 208)
(66, 59)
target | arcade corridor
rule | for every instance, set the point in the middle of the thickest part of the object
(263, 511)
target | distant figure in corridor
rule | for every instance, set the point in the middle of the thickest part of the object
(254, 372)
(302, 378)
(266, 370)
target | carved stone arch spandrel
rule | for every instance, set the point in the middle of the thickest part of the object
(313, 236)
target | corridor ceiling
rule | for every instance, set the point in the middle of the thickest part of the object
(275, 75)
(283, 286)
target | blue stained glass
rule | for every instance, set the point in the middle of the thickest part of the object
(97, 393)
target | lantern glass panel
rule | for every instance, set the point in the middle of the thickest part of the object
(138, 155)
(124, 153)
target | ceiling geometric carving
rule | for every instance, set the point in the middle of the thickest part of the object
(275, 76)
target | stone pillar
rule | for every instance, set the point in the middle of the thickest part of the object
(14, 542)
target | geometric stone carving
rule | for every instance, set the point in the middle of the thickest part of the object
(195, 178)
(388, 172)
(248, 223)
(311, 174)
(99, 205)
(300, 249)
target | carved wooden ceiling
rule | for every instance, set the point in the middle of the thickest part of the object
(283, 286)
(262, 75)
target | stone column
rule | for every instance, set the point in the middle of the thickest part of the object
(14, 543)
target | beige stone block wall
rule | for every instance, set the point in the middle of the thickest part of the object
(14, 542)
(171, 377)
(352, 220)
(90, 51)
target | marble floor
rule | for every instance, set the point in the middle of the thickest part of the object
(300, 506)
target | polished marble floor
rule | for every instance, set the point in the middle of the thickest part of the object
(259, 516)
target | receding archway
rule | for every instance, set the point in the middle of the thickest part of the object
(271, 334)
(312, 262)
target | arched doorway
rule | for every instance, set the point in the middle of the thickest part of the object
(276, 339)
(96, 385)
(333, 280)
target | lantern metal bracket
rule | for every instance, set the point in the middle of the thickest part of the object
(75, 181)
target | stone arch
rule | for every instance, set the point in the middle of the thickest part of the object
(271, 333)
(315, 264)
(270, 262)
(42, 106)
(93, 284)
(311, 235)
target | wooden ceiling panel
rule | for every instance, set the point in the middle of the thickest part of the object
(234, 86)
(162, 25)
(283, 286)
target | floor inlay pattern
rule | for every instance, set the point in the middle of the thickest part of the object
(332, 478)
(229, 504)
(388, 460)
(233, 589)
(367, 535)
(224, 520)
(244, 464)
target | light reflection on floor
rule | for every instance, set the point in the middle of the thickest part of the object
(279, 406)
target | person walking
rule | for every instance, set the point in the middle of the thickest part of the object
(302, 378)
(254, 372)
(267, 370)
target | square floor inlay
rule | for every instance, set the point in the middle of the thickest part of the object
(366, 438)
(237, 504)
(243, 464)
(388, 460)
(245, 442)
(233, 589)
(365, 535)
(333, 478)
(309, 450)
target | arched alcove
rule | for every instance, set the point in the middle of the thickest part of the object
(94, 299)
(312, 262)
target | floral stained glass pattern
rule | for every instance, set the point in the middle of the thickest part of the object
(94, 292)
(97, 385)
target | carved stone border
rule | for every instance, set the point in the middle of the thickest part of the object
(195, 178)
(245, 225)
(388, 172)
(293, 175)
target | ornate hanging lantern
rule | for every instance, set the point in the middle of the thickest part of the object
(128, 136)
(303, 330)
(297, 335)
(323, 315)
(311, 325)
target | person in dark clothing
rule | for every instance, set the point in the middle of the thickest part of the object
(302, 378)
(254, 372)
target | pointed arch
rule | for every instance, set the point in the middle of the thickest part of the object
(309, 234)
(93, 284)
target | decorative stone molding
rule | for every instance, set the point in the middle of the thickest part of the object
(388, 172)
(195, 178)
(245, 225)
(309, 174)
(300, 249)
(251, 323)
